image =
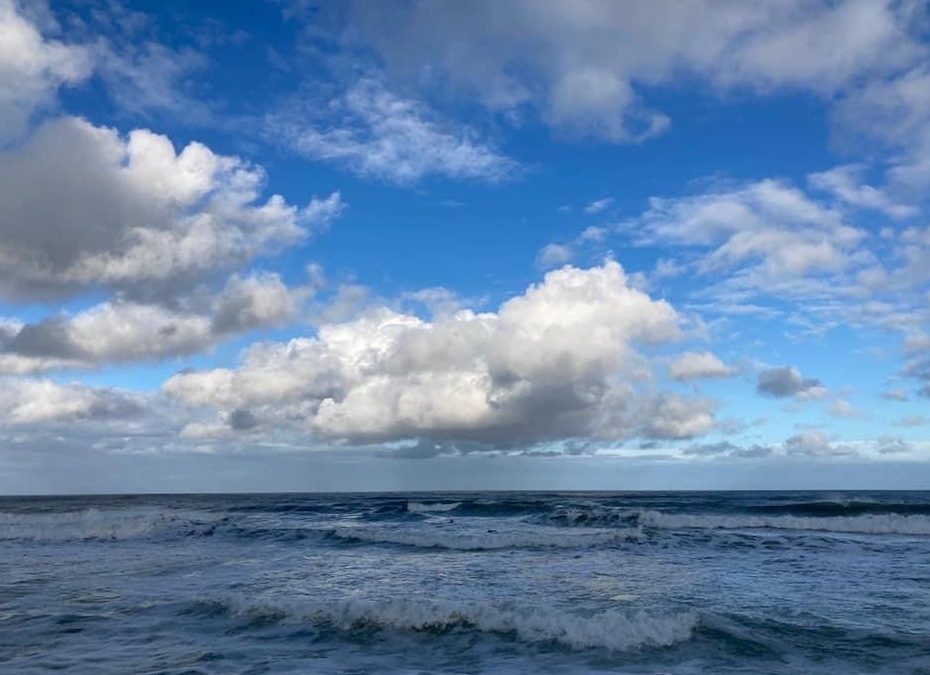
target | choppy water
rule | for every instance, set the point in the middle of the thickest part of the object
(467, 583)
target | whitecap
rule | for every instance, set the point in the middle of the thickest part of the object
(612, 629)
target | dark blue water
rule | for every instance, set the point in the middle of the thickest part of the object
(467, 583)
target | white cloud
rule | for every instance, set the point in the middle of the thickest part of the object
(32, 68)
(556, 362)
(694, 365)
(26, 401)
(554, 255)
(846, 183)
(585, 65)
(374, 132)
(843, 408)
(892, 112)
(85, 207)
(674, 417)
(119, 331)
(321, 211)
(599, 205)
(769, 227)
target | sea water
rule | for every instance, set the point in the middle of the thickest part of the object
(750, 582)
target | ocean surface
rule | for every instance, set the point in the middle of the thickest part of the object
(741, 582)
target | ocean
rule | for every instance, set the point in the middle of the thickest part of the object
(735, 582)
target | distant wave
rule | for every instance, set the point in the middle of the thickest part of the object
(432, 507)
(529, 538)
(864, 524)
(612, 630)
(846, 507)
(94, 524)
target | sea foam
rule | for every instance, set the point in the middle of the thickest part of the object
(613, 630)
(94, 524)
(432, 507)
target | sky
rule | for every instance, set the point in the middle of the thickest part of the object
(286, 245)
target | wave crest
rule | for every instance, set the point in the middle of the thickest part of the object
(96, 525)
(613, 630)
(491, 540)
(432, 507)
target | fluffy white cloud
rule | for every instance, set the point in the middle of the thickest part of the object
(118, 331)
(674, 417)
(85, 207)
(557, 362)
(25, 401)
(32, 68)
(694, 365)
(583, 64)
(376, 133)
(770, 227)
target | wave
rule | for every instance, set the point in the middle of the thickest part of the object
(613, 630)
(846, 507)
(96, 525)
(432, 507)
(864, 524)
(491, 540)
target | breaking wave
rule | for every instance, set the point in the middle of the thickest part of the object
(93, 524)
(432, 507)
(489, 540)
(863, 524)
(611, 629)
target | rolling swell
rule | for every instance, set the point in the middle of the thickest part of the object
(612, 630)
(435, 539)
(864, 524)
(104, 525)
(828, 508)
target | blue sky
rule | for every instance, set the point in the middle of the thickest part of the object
(414, 245)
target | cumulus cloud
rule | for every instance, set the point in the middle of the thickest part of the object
(695, 365)
(585, 66)
(559, 361)
(376, 133)
(25, 401)
(674, 417)
(32, 68)
(119, 331)
(787, 382)
(85, 207)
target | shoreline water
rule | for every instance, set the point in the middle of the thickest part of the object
(467, 582)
